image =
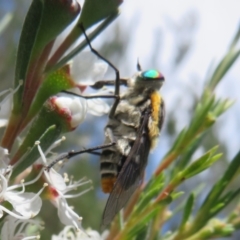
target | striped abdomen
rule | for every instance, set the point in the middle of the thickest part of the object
(112, 160)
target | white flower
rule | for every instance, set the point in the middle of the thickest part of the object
(73, 108)
(89, 234)
(15, 229)
(97, 106)
(59, 193)
(26, 204)
(59, 189)
(87, 68)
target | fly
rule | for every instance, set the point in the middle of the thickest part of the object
(134, 125)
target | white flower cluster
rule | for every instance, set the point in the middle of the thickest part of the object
(76, 107)
(85, 76)
(59, 190)
(24, 205)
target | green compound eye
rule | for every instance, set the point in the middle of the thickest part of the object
(151, 74)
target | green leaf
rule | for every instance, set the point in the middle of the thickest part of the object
(47, 117)
(221, 106)
(53, 84)
(142, 234)
(178, 141)
(44, 21)
(155, 181)
(216, 208)
(176, 195)
(223, 67)
(27, 39)
(200, 115)
(235, 39)
(81, 46)
(220, 186)
(204, 162)
(186, 157)
(142, 222)
(94, 11)
(187, 211)
(196, 192)
(226, 63)
(56, 16)
(213, 203)
(146, 198)
(224, 201)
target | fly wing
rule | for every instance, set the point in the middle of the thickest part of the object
(131, 173)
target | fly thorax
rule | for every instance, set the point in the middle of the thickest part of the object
(123, 146)
(128, 114)
(153, 122)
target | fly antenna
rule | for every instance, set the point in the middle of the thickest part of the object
(139, 68)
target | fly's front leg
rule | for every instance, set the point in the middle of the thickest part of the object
(117, 74)
(102, 83)
(89, 97)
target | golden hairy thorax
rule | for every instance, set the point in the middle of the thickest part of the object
(153, 124)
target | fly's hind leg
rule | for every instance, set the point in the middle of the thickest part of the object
(71, 154)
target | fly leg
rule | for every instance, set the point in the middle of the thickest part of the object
(98, 85)
(89, 97)
(101, 83)
(71, 154)
(107, 145)
(110, 135)
(117, 79)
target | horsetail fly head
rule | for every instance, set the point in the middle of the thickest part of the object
(151, 79)
(134, 128)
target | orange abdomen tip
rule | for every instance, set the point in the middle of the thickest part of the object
(107, 184)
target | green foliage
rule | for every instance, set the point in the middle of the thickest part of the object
(44, 21)
(152, 207)
(54, 83)
(94, 11)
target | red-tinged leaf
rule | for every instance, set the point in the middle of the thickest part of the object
(50, 115)
(53, 84)
(44, 21)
